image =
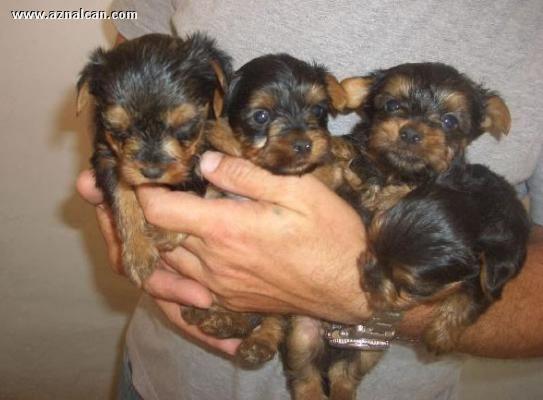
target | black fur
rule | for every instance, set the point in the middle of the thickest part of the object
(443, 231)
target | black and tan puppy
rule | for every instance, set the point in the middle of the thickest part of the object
(151, 98)
(275, 113)
(442, 231)
(454, 242)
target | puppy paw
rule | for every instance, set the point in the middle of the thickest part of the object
(221, 325)
(166, 240)
(254, 352)
(139, 261)
(193, 315)
(439, 341)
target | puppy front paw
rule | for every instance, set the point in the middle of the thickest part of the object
(194, 315)
(167, 240)
(440, 340)
(218, 322)
(139, 261)
(253, 352)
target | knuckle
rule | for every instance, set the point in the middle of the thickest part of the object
(152, 211)
(236, 170)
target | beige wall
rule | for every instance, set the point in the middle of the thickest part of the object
(62, 311)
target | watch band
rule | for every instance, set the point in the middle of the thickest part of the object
(375, 334)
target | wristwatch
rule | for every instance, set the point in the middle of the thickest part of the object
(375, 334)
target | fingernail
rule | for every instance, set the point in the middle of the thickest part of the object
(210, 161)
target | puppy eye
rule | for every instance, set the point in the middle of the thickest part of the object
(392, 105)
(186, 131)
(449, 121)
(318, 111)
(120, 135)
(261, 116)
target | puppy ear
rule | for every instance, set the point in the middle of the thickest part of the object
(356, 90)
(335, 92)
(219, 92)
(497, 119)
(84, 96)
(495, 273)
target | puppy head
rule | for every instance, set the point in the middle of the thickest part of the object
(422, 116)
(151, 98)
(277, 109)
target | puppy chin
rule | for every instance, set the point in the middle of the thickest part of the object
(404, 161)
(172, 176)
(293, 169)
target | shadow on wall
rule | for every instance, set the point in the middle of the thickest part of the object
(117, 292)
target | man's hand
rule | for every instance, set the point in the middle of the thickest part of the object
(291, 247)
(167, 286)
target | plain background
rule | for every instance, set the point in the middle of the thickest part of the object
(62, 311)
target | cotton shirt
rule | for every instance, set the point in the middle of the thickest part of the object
(497, 43)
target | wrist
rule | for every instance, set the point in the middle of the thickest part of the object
(415, 321)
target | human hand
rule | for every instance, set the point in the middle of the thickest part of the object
(168, 287)
(292, 247)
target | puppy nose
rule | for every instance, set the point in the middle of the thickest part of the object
(302, 146)
(152, 172)
(410, 135)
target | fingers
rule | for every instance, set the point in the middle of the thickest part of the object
(186, 212)
(184, 262)
(171, 286)
(86, 186)
(109, 233)
(242, 177)
(173, 313)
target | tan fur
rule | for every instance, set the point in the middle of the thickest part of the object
(181, 114)
(83, 98)
(448, 323)
(263, 343)
(432, 150)
(356, 91)
(345, 375)
(337, 93)
(497, 119)
(139, 255)
(220, 135)
(316, 94)
(264, 100)
(304, 346)
(398, 86)
(455, 101)
(381, 199)
(118, 117)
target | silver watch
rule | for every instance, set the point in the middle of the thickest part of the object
(375, 334)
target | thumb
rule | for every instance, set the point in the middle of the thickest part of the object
(241, 177)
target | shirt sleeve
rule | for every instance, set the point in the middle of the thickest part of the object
(535, 188)
(154, 16)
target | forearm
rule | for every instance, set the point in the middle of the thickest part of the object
(513, 326)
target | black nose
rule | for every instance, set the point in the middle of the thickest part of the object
(152, 172)
(410, 135)
(302, 146)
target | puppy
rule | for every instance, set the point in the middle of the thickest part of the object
(151, 98)
(454, 242)
(274, 112)
(441, 231)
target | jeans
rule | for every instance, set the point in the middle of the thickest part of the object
(126, 389)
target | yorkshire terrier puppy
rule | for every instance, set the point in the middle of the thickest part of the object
(151, 99)
(442, 231)
(274, 112)
(454, 242)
